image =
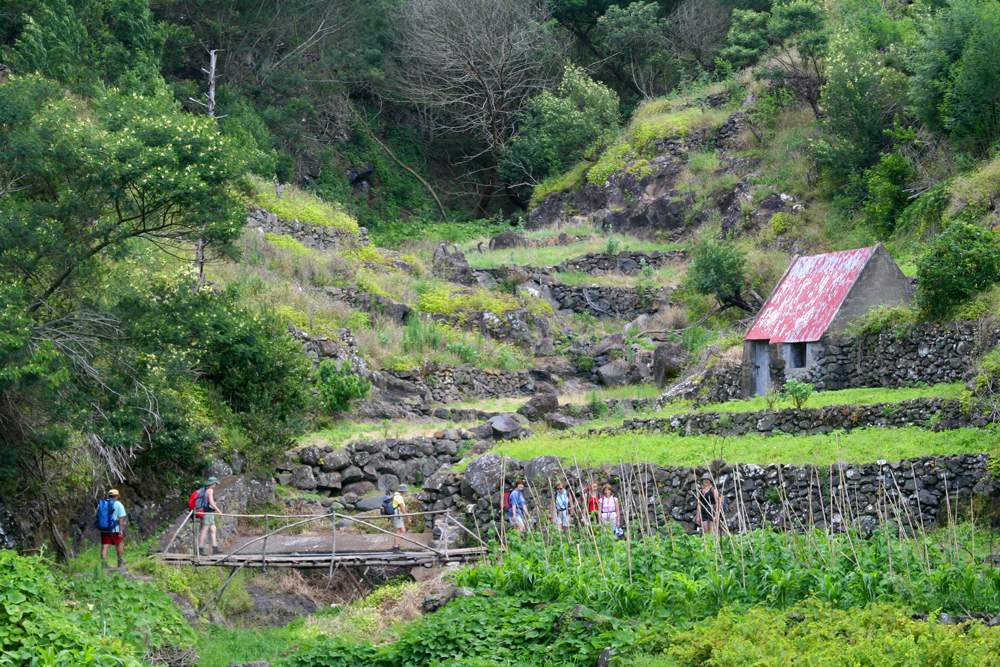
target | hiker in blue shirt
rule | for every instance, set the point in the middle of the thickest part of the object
(111, 524)
(562, 507)
(518, 506)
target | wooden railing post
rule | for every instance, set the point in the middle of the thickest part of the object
(333, 545)
(194, 541)
(267, 529)
(444, 532)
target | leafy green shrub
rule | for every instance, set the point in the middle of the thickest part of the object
(887, 197)
(719, 269)
(358, 321)
(108, 621)
(955, 85)
(818, 633)
(477, 631)
(585, 363)
(962, 261)
(558, 127)
(797, 391)
(339, 386)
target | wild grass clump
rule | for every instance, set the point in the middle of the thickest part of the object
(296, 204)
(422, 340)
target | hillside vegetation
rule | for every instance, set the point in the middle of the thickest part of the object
(452, 156)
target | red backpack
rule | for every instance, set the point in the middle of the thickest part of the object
(197, 502)
(506, 499)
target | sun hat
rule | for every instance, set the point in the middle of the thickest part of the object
(403, 488)
(113, 492)
(706, 476)
(211, 481)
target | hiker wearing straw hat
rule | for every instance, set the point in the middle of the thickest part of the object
(208, 521)
(708, 512)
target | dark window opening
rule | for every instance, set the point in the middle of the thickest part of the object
(797, 355)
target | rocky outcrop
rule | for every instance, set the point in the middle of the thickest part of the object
(669, 359)
(451, 384)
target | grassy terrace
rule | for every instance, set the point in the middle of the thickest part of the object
(860, 445)
(548, 256)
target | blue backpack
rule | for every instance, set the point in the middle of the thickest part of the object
(387, 508)
(105, 515)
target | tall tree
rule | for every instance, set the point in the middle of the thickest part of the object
(474, 64)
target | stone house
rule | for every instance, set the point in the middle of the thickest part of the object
(818, 297)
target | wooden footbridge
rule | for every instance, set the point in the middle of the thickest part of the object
(289, 546)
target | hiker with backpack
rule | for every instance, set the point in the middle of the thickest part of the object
(111, 524)
(397, 509)
(562, 507)
(591, 499)
(709, 507)
(517, 507)
(205, 509)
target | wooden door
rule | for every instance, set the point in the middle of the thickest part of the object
(761, 367)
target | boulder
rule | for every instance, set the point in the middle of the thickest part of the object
(608, 343)
(369, 504)
(351, 474)
(638, 324)
(328, 480)
(539, 406)
(482, 476)
(217, 468)
(508, 239)
(439, 479)
(506, 426)
(303, 478)
(336, 460)
(541, 469)
(387, 483)
(561, 422)
(311, 455)
(669, 359)
(613, 373)
(359, 488)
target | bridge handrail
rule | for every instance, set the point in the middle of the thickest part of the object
(315, 516)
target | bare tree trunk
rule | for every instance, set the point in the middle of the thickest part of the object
(213, 55)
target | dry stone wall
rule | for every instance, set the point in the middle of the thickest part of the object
(780, 496)
(627, 262)
(312, 236)
(451, 384)
(934, 413)
(928, 352)
(604, 301)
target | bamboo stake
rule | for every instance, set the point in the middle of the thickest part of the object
(333, 545)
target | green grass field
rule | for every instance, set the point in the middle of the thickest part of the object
(860, 445)
(860, 396)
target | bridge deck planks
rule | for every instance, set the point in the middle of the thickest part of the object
(405, 559)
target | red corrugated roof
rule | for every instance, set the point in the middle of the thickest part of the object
(809, 296)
